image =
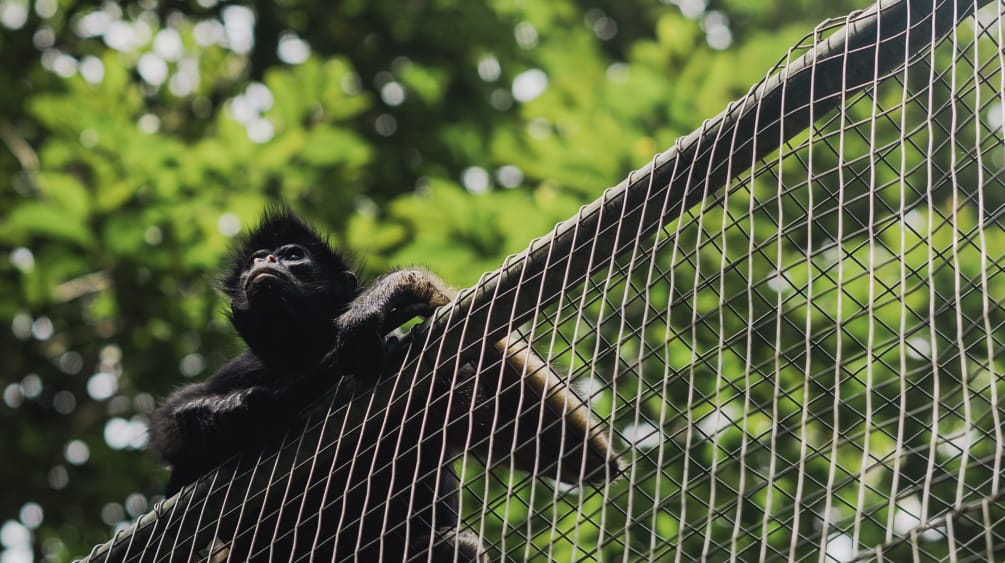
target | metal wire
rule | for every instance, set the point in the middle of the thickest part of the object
(804, 365)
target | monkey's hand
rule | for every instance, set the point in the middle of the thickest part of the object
(202, 413)
(384, 306)
(397, 297)
(193, 422)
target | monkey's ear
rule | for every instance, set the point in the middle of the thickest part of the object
(526, 413)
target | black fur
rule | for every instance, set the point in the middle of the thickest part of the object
(287, 320)
(296, 304)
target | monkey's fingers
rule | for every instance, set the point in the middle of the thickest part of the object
(400, 315)
(427, 287)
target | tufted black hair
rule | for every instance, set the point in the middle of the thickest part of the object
(280, 226)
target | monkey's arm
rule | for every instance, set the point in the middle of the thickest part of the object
(527, 411)
(203, 424)
(395, 298)
(385, 305)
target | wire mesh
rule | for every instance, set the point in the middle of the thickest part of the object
(806, 365)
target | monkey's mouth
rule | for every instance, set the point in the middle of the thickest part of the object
(263, 275)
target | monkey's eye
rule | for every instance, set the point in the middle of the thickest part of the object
(292, 252)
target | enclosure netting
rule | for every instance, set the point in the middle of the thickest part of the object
(805, 363)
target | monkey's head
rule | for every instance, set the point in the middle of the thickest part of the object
(286, 285)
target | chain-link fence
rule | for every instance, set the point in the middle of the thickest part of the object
(805, 365)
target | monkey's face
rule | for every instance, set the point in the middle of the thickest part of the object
(286, 286)
(281, 299)
(287, 275)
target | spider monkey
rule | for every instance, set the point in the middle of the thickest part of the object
(308, 326)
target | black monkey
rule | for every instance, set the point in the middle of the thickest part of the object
(286, 287)
(308, 326)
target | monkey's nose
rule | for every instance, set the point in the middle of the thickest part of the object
(270, 258)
